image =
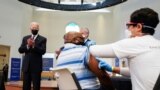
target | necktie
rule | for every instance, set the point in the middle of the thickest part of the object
(33, 36)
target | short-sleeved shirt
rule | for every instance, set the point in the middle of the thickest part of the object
(75, 57)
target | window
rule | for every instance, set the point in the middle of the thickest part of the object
(72, 26)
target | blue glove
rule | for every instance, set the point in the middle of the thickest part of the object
(104, 65)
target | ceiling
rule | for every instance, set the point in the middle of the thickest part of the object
(73, 1)
(73, 5)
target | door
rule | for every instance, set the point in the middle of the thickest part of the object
(4, 55)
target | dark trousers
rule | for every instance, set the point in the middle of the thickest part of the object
(31, 77)
(2, 87)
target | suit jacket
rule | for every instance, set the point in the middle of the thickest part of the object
(32, 59)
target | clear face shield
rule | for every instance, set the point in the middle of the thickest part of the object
(128, 33)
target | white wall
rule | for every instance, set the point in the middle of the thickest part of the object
(13, 18)
(53, 26)
(104, 27)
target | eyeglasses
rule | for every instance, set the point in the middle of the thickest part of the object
(131, 24)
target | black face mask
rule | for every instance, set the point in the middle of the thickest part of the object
(34, 32)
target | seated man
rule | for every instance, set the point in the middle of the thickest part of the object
(75, 56)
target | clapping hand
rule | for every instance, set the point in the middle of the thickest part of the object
(30, 42)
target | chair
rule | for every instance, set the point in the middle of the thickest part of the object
(66, 79)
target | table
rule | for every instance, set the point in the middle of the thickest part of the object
(121, 82)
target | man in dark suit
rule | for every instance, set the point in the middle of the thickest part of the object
(33, 47)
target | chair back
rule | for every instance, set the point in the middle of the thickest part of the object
(66, 79)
